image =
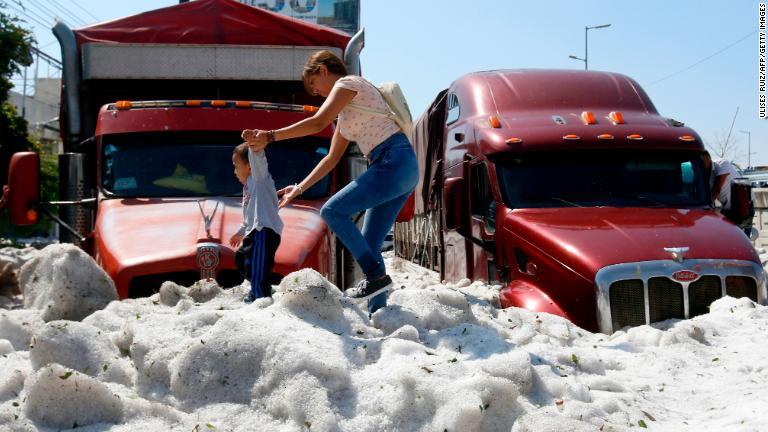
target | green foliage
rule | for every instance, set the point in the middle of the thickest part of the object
(15, 49)
(16, 53)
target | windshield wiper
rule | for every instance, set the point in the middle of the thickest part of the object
(565, 201)
(641, 197)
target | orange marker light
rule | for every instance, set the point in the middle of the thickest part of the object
(588, 118)
(242, 104)
(123, 105)
(635, 137)
(218, 103)
(310, 108)
(571, 137)
(605, 137)
(494, 122)
(32, 215)
(514, 140)
(193, 103)
(616, 117)
(687, 138)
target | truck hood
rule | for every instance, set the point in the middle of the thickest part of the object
(588, 239)
(164, 233)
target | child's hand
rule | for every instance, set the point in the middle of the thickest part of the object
(257, 139)
(249, 134)
(235, 240)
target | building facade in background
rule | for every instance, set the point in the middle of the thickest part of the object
(342, 15)
(41, 109)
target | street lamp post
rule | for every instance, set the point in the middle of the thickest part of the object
(586, 44)
(749, 148)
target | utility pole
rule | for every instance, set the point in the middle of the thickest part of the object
(749, 148)
(24, 95)
(586, 44)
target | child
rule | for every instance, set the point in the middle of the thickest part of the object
(261, 227)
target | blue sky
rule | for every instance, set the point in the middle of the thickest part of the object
(698, 60)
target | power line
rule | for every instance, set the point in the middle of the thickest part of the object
(28, 11)
(42, 10)
(51, 60)
(30, 15)
(702, 60)
(67, 12)
(85, 10)
(27, 16)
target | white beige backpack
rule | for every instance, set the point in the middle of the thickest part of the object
(399, 111)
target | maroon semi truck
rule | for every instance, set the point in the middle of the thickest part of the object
(152, 108)
(569, 190)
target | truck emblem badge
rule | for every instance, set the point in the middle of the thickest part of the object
(558, 120)
(207, 259)
(685, 276)
(207, 219)
(678, 253)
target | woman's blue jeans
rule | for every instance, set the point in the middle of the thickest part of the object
(381, 191)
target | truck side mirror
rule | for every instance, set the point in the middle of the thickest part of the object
(22, 193)
(455, 204)
(742, 208)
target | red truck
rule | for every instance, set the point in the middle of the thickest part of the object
(152, 107)
(569, 190)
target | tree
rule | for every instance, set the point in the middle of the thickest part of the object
(15, 53)
(723, 146)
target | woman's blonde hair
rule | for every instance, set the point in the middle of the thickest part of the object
(322, 58)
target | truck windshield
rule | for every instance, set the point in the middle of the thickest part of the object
(602, 178)
(160, 167)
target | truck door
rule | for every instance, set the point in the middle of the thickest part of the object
(482, 203)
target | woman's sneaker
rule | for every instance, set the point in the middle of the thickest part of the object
(366, 289)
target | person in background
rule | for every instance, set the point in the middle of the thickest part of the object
(723, 174)
(381, 191)
(260, 231)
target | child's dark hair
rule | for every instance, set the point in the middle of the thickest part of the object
(242, 152)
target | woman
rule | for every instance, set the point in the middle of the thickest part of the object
(381, 191)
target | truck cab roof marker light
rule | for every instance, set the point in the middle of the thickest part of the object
(635, 137)
(494, 122)
(514, 140)
(687, 138)
(217, 103)
(571, 137)
(588, 117)
(605, 137)
(616, 117)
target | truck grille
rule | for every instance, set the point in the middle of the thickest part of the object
(702, 293)
(740, 286)
(627, 305)
(640, 293)
(665, 299)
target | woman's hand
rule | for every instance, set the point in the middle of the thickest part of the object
(287, 194)
(257, 139)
